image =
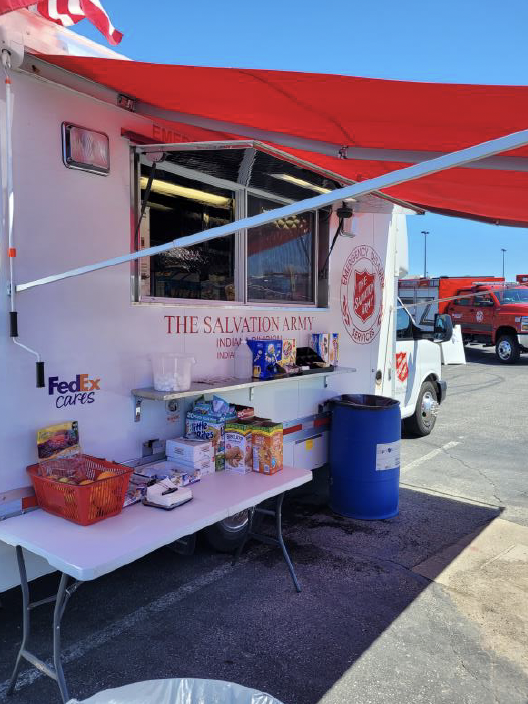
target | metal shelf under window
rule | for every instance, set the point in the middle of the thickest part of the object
(205, 387)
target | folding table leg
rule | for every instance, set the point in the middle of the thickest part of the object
(61, 599)
(279, 540)
(278, 525)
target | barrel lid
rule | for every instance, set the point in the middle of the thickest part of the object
(365, 402)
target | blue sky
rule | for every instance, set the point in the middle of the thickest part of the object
(460, 41)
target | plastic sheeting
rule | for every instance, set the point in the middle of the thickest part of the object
(180, 691)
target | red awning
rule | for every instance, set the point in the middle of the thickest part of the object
(348, 111)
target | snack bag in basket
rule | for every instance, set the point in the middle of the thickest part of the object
(61, 440)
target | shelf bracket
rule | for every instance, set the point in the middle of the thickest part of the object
(137, 410)
(251, 393)
(325, 382)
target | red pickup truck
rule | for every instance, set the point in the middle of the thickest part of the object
(494, 314)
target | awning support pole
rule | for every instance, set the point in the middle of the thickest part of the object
(410, 173)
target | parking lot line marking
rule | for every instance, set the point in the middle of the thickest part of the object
(428, 456)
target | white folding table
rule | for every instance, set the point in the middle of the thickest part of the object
(87, 552)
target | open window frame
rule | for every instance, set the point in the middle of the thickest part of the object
(246, 180)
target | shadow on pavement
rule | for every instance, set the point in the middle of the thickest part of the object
(248, 625)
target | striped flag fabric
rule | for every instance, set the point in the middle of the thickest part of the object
(68, 13)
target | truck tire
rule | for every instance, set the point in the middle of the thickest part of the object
(422, 422)
(507, 349)
(227, 535)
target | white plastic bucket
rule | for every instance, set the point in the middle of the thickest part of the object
(172, 372)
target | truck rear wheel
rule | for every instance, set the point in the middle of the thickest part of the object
(423, 420)
(227, 535)
(507, 349)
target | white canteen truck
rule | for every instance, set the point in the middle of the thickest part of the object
(83, 181)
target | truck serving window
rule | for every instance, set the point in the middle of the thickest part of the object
(280, 256)
(177, 207)
(283, 262)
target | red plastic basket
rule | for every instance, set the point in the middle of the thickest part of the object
(83, 504)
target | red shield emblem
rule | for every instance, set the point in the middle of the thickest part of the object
(364, 294)
(402, 369)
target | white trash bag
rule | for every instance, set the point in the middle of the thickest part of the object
(180, 691)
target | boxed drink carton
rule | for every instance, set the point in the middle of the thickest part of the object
(188, 450)
(238, 447)
(267, 447)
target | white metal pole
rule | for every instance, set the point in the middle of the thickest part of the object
(448, 161)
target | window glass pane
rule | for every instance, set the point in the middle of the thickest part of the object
(513, 295)
(280, 256)
(463, 302)
(403, 325)
(178, 207)
(485, 301)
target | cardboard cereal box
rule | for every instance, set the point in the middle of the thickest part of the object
(320, 343)
(267, 354)
(238, 447)
(200, 425)
(267, 447)
(289, 352)
(334, 348)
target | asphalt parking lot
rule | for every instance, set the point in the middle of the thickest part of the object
(431, 606)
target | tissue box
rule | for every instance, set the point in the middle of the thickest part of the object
(193, 452)
(205, 466)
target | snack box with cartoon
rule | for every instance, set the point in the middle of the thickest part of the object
(207, 421)
(238, 447)
(267, 447)
(334, 348)
(289, 352)
(267, 356)
(320, 343)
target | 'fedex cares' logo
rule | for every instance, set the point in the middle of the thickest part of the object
(80, 390)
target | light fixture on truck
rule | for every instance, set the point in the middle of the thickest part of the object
(84, 149)
(172, 189)
(302, 183)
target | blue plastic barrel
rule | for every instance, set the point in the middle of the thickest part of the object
(365, 456)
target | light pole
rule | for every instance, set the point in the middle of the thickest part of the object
(425, 233)
(503, 250)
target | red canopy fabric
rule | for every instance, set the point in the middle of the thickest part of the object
(350, 111)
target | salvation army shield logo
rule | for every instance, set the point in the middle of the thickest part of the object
(362, 282)
(479, 316)
(364, 294)
(402, 368)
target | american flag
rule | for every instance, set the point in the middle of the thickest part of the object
(67, 13)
